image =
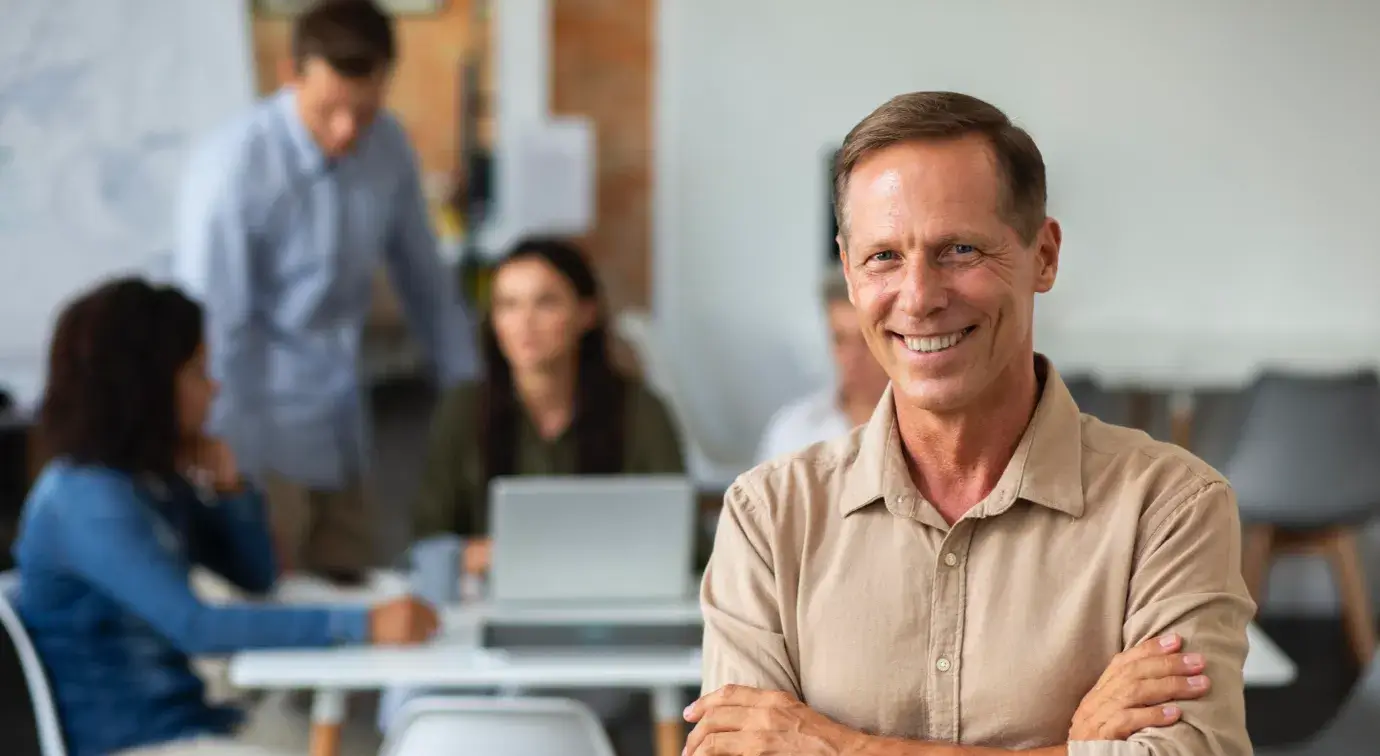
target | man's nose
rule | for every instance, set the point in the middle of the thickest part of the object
(923, 288)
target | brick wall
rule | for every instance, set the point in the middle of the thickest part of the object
(602, 58)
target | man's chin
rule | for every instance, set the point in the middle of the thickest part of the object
(940, 395)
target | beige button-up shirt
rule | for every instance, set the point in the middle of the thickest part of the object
(832, 578)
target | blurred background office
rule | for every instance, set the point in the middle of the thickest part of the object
(1214, 165)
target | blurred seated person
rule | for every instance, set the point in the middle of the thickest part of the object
(552, 402)
(840, 408)
(135, 497)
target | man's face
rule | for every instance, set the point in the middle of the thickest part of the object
(858, 371)
(337, 109)
(944, 287)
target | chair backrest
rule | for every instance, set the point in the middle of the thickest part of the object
(447, 725)
(45, 712)
(1309, 441)
(1092, 399)
(1356, 729)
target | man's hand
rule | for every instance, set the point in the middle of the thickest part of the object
(401, 622)
(740, 721)
(1138, 690)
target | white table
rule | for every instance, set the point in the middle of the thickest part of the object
(456, 659)
(1266, 665)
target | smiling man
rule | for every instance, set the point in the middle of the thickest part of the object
(979, 568)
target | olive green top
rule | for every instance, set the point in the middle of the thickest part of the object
(454, 495)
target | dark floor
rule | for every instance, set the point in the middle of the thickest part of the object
(1275, 716)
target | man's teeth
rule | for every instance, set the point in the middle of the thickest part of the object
(934, 343)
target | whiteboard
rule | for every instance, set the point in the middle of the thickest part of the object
(99, 102)
(1214, 164)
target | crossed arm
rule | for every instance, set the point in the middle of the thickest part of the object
(1137, 692)
(1152, 700)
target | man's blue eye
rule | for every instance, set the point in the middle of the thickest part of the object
(884, 256)
(964, 249)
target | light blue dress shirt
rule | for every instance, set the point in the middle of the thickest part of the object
(281, 244)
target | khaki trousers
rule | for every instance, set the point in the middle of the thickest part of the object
(321, 531)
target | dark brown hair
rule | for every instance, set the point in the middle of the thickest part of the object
(110, 396)
(600, 390)
(950, 115)
(354, 37)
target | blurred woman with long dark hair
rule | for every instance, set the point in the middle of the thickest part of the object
(135, 497)
(552, 402)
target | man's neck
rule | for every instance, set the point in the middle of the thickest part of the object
(956, 459)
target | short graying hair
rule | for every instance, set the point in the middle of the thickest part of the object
(950, 115)
(835, 287)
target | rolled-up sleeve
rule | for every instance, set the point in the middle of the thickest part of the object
(744, 643)
(1187, 580)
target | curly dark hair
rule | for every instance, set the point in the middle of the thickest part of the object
(110, 396)
(599, 391)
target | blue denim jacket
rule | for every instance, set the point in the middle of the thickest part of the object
(105, 560)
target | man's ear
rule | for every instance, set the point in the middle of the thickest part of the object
(1047, 245)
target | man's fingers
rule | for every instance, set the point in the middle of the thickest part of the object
(1155, 680)
(735, 695)
(1169, 665)
(741, 744)
(1165, 690)
(1151, 693)
(718, 719)
(1151, 647)
(1131, 721)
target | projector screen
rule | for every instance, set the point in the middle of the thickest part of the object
(1215, 167)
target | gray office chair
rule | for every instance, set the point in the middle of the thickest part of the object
(1092, 399)
(1218, 416)
(1306, 470)
(1355, 729)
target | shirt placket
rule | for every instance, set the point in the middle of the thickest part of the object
(348, 432)
(948, 605)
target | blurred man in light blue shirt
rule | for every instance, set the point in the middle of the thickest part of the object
(286, 214)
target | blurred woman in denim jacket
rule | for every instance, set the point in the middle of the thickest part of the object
(135, 497)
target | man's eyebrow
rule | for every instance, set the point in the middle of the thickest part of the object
(960, 237)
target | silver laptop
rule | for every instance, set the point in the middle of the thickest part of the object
(592, 538)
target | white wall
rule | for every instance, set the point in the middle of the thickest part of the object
(1215, 166)
(99, 103)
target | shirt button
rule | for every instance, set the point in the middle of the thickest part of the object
(942, 665)
(951, 559)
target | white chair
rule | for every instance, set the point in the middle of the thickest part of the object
(45, 713)
(447, 725)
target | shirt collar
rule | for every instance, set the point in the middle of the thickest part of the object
(304, 145)
(1046, 468)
